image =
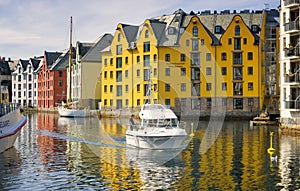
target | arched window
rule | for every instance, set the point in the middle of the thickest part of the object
(195, 31)
(146, 34)
(237, 30)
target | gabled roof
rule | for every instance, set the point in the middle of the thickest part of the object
(62, 62)
(93, 54)
(35, 62)
(4, 68)
(24, 64)
(51, 57)
(82, 48)
(130, 32)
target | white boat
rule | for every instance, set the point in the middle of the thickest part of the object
(71, 109)
(11, 122)
(159, 129)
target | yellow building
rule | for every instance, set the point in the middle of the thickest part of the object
(197, 63)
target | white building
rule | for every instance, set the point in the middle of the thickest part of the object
(290, 63)
(24, 82)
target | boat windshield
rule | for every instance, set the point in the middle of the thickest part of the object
(152, 107)
(172, 122)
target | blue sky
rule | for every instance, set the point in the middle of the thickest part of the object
(29, 27)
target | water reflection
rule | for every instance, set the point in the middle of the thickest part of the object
(88, 153)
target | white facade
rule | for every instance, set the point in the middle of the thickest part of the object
(25, 83)
(289, 63)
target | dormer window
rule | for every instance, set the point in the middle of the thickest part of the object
(171, 30)
(255, 29)
(218, 29)
(195, 31)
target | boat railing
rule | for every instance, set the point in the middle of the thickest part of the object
(6, 108)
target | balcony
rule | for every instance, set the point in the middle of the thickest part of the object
(293, 77)
(292, 51)
(290, 2)
(292, 26)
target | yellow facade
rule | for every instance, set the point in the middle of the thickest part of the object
(194, 69)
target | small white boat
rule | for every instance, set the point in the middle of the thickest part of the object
(11, 122)
(159, 129)
(67, 110)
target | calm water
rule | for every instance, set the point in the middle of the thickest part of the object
(55, 153)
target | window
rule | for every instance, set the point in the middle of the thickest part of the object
(195, 73)
(146, 60)
(119, 37)
(224, 86)
(195, 44)
(126, 73)
(167, 57)
(171, 30)
(119, 49)
(155, 72)
(138, 73)
(187, 42)
(195, 58)
(224, 102)
(182, 57)
(208, 56)
(245, 40)
(250, 86)
(208, 71)
(155, 57)
(119, 62)
(238, 89)
(138, 102)
(105, 62)
(60, 83)
(111, 87)
(237, 44)
(146, 74)
(202, 42)
(224, 56)
(111, 74)
(146, 46)
(60, 73)
(196, 103)
(167, 101)
(168, 72)
(208, 86)
(237, 58)
(183, 71)
(126, 60)
(237, 73)
(237, 30)
(195, 31)
(224, 71)
(251, 102)
(195, 89)
(167, 87)
(218, 29)
(138, 59)
(126, 88)
(119, 90)
(105, 88)
(146, 33)
(111, 102)
(208, 102)
(138, 88)
(119, 76)
(183, 87)
(229, 41)
(250, 56)
(255, 28)
(237, 103)
(250, 70)
(105, 74)
(111, 61)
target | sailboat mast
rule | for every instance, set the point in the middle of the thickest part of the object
(70, 64)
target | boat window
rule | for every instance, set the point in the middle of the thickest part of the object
(174, 122)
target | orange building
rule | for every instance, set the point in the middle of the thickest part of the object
(52, 79)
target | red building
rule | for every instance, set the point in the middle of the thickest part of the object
(52, 79)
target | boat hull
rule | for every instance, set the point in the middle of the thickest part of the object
(155, 141)
(10, 126)
(67, 112)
